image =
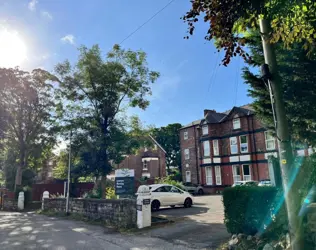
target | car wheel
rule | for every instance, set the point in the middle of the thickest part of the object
(155, 205)
(173, 206)
(200, 192)
(188, 202)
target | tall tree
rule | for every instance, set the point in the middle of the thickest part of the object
(292, 21)
(168, 138)
(95, 91)
(297, 71)
(27, 103)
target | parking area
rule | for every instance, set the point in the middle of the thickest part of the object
(201, 226)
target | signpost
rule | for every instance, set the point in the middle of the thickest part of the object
(124, 182)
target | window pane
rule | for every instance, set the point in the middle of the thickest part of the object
(185, 135)
(270, 145)
(205, 130)
(209, 179)
(233, 149)
(206, 146)
(243, 143)
(215, 147)
(233, 140)
(236, 123)
(243, 139)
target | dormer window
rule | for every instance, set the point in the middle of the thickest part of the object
(236, 123)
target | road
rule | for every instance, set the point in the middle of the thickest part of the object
(33, 231)
(201, 226)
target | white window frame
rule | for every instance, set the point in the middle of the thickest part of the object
(205, 130)
(187, 154)
(209, 176)
(266, 134)
(188, 173)
(235, 145)
(236, 177)
(185, 135)
(243, 144)
(145, 165)
(246, 177)
(215, 148)
(218, 175)
(236, 123)
(187, 165)
(206, 149)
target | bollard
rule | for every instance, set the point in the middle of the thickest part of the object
(143, 207)
(21, 201)
(45, 196)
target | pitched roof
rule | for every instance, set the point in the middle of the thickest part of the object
(214, 117)
(218, 117)
(157, 144)
(197, 122)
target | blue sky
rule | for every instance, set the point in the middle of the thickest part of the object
(191, 80)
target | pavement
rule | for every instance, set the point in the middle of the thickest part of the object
(198, 227)
(201, 226)
(33, 231)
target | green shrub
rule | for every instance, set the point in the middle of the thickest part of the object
(170, 181)
(252, 209)
(110, 193)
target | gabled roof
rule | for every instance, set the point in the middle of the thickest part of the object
(214, 117)
(218, 117)
(240, 110)
(157, 144)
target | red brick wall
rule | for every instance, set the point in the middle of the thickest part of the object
(156, 168)
(192, 143)
(256, 143)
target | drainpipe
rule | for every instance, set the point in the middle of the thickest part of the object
(196, 157)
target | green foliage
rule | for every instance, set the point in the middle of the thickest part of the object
(28, 117)
(298, 75)
(61, 168)
(168, 138)
(252, 210)
(92, 95)
(169, 180)
(228, 21)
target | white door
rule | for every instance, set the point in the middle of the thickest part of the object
(188, 176)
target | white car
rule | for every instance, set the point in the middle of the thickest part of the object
(245, 183)
(193, 188)
(167, 195)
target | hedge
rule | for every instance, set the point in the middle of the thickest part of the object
(250, 209)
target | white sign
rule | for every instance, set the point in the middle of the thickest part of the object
(124, 172)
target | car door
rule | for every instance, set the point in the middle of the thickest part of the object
(161, 194)
(176, 196)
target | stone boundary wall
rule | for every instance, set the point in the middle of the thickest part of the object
(120, 213)
(10, 204)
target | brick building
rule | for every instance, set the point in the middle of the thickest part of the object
(149, 162)
(225, 147)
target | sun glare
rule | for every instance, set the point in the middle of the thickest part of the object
(12, 49)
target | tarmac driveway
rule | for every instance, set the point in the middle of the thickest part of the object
(201, 225)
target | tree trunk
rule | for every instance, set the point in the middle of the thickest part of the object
(288, 169)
